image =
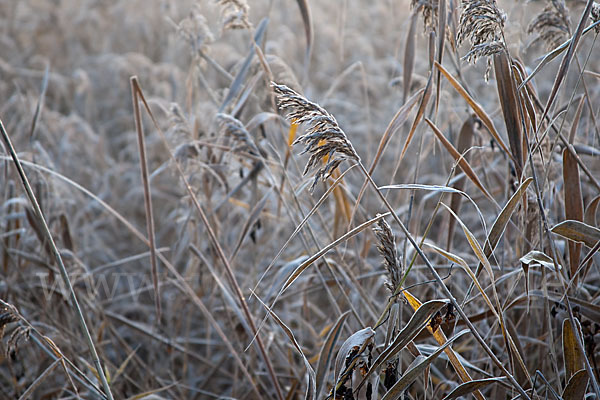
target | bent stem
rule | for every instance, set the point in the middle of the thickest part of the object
(55, 252)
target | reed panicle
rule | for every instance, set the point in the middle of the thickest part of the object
(552, 26)
(234, 128)
(194, 29)
(429, 11)
(235, 14)
(483, 50)
(266, 292)
(325, 141)
(387, 248)
(481, 21)
(482, 24)
(595, 15)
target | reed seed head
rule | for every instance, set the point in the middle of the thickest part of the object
(483, 50)
(595, 15)
(429, 11)
(235, 14)
(233, 127)
(325, 141)
(482, 23)
(194, 29)
(387, 248)
(552, 25)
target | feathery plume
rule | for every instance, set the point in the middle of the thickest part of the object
(235, 14)
(483, 50)
(324, 139)
(233, 127)
(482, 23)
(552, 25)
(387, 248)
(194, 29)
(429, 11)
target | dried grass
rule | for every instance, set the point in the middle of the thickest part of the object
(231, 210)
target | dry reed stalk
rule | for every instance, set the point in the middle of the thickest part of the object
(220, 253)
(322, 126)
(147, 193)
(511, 110)
(56, 253)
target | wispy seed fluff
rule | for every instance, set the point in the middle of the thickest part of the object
(325, 141)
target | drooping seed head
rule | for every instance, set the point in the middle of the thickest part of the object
(482, 24)
(235, 14)
(387, 248)
(481, 21)
(233, 127)
(429, 11)
(324, 140)
(552, 25)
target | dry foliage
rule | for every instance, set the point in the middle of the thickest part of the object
(273, 264)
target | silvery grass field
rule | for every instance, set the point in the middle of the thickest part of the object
(304, 199)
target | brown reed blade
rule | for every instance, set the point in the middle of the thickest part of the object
(590, 211)
(409, 56)
(463, 143)
(307, 21)
(477, 109)
(462, 163)
(147, 192)
(510, 107)
(418, 117)
(573, 204)
(578, 232)
(573, 359)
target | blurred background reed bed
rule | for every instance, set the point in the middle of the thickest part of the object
(440, 243)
